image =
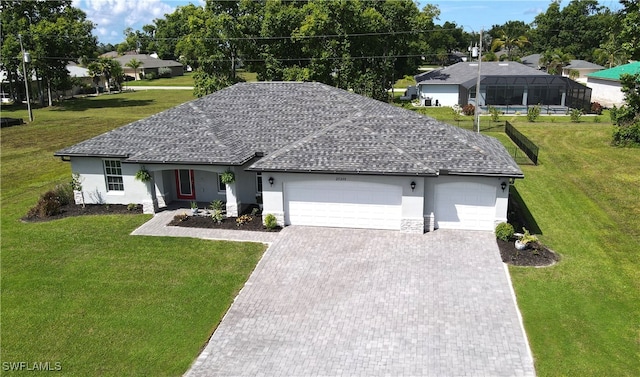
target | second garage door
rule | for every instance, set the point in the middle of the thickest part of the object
(345, 204)
(465, 205)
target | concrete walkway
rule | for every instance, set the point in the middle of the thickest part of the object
(349, 302)
(157, 226)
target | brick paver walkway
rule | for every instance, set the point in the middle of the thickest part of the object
(346, 302)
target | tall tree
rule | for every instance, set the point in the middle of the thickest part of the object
(54, 32)
(630, 28)
(510, 42)
(578, 29)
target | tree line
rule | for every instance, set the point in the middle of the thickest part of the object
(362, 45)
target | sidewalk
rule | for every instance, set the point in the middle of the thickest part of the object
(157, 226)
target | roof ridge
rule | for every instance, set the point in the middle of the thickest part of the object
(384, 141)
(312, 135)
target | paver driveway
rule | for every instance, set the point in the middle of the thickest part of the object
(345, 302)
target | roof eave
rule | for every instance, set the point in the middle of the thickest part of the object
(352, 172)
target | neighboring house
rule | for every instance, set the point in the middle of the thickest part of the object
(312, 154)
(582, 68)
(83, 75)
(606, 86)
(149, 65)
(532, 61)
(509, 86)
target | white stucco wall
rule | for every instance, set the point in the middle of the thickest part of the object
(606, 92)
(447, 95)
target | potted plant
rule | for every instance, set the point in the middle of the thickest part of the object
(194, 208)
(143, 175)
(524, 240)
(227, 177)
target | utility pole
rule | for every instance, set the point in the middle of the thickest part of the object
(26, 58)
(477, 112)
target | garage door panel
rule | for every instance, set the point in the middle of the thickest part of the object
(343, 204)
(465, 205)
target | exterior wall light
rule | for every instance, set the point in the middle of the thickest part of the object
(413, 185)
(503, 185)
(271, 181)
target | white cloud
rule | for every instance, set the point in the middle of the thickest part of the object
(113, 16)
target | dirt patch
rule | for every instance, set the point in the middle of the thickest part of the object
(537, 255)
(229, 223)
(69, 210)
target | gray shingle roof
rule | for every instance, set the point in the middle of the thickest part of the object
(301, 127)
(466, 73)
(147, 61)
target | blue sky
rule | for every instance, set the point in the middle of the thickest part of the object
(113, 16)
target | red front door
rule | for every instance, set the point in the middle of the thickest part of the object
(184, 184)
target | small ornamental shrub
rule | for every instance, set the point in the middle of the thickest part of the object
(575, 115)
(150, 76)
(255, 211)
(495, 114)
(217, 216)
(504, 231)
(241, 220)
(217, 205)
(132, 207)
(533, 113)
(48, 205)
(270, 221)
(164, 72)
(64, 192)
(181, 217)
(596, 108)
(469, 109)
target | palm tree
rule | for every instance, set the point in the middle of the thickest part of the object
(134, 64)
(509, 43)
(554, 60)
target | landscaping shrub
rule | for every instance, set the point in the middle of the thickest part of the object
(180, 217)
(48, 205)
(150, 76)
(241, 220)
(575, 115)
(217, 216)
(533, 113)
(164, 72)
(132, 207)
(495, 114)
(596, 108)
(270, 221)
(64, 192)
(504, 231)
(469, 109)
(217, 205)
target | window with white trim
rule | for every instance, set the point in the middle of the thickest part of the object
(113, 175)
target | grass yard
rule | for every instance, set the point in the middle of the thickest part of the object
(582, 316)
(84, 293)
(185, 80)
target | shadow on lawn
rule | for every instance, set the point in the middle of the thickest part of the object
(82, 104)
(519, 215)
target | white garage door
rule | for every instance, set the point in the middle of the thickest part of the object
(345, 204)
(465, 205)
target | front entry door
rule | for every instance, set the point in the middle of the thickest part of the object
(185, 185)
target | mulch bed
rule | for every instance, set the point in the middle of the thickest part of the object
(69, 210)
(200, 221)
(537, 255)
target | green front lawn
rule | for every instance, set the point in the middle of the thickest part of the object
(185, 80)
(84, 293)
